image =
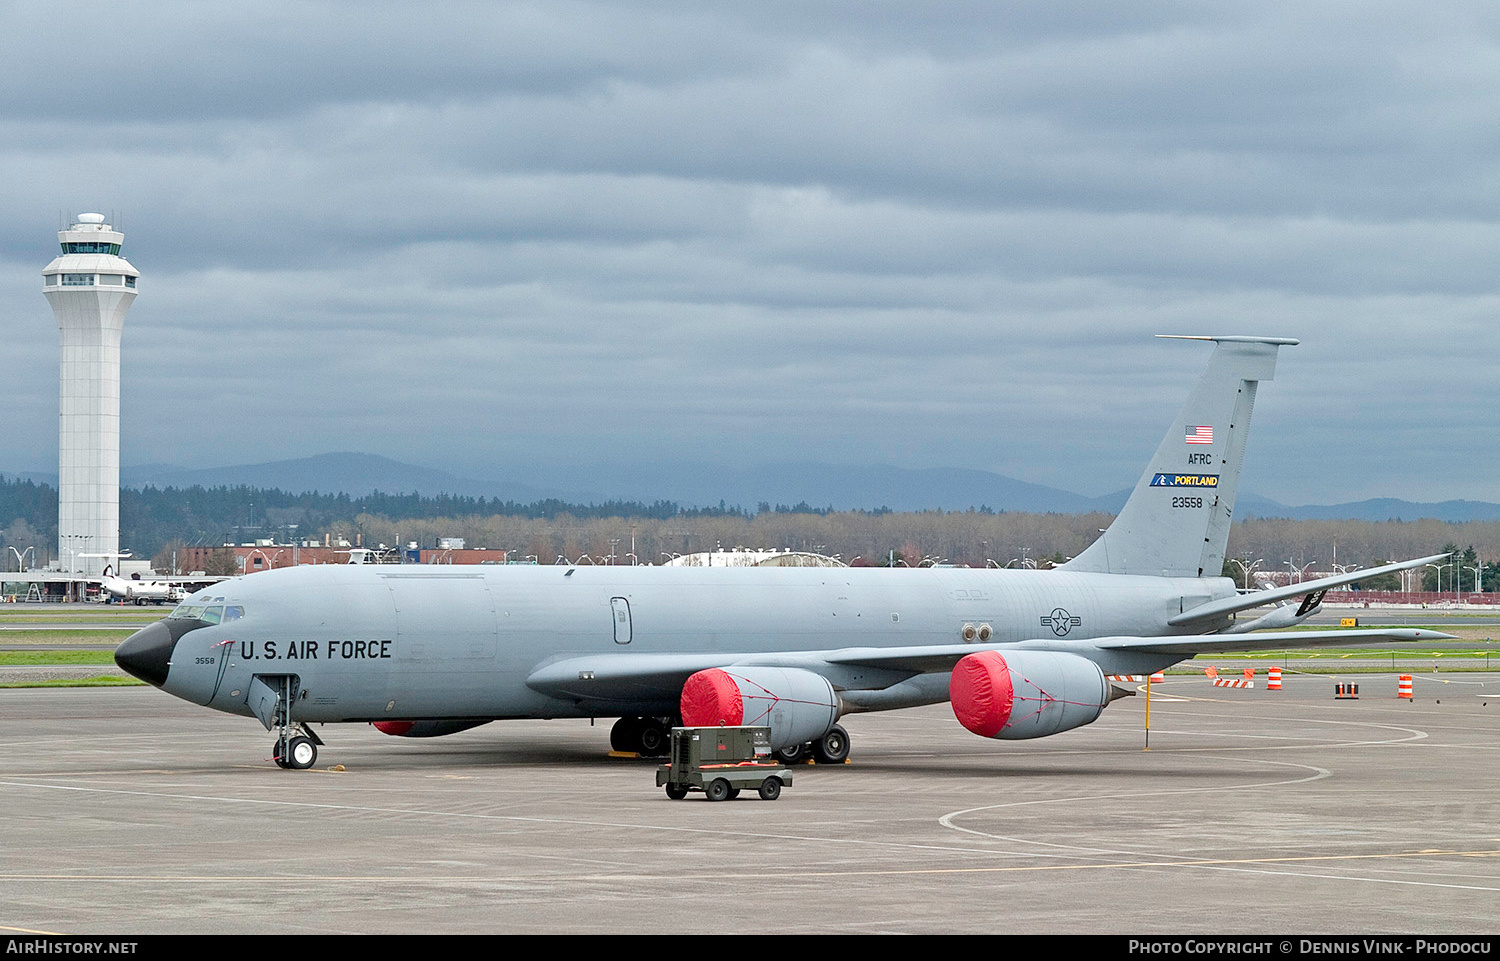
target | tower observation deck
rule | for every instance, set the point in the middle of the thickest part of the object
(90, 287)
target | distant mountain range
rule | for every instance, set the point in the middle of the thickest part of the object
(841, 487)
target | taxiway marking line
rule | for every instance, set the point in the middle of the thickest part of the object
(1220, 863)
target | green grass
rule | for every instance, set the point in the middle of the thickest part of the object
(144, 615)
(1399, 654)
(101, 680)
(34, 658)
(59, 636)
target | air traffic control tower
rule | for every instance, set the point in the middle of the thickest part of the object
(91, 288)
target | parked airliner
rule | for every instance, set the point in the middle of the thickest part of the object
(425, 651)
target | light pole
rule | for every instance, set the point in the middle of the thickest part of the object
(1247, 567)
(1344, 569)
(1439, 569)
(21, 557)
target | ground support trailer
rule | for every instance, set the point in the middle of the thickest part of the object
(721, 762)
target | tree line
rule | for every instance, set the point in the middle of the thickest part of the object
(154, 521)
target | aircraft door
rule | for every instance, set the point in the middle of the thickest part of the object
(269, 695)
(620, 609)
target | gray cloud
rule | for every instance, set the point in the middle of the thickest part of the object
(502, 236)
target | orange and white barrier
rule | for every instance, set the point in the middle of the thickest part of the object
(1273, 679)
(1403, 686)
(1126, 678)
(1158, 677)
(1233, 682)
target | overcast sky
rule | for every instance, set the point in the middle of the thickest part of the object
(500, 238)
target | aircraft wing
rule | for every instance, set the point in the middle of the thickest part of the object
(1214, 610)
(923, 660)
(615, 676)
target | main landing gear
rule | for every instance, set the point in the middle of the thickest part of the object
(831, 748)
(651, 736)
(646, 736)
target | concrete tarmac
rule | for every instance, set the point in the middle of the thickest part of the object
(126, 811)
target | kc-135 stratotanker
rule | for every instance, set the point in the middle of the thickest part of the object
(424, 651)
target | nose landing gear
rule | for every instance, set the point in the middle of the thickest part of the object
(271, 698)
(297, 752)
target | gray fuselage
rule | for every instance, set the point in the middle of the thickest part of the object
(377, 642)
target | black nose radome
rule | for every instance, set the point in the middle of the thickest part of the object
(147, 654)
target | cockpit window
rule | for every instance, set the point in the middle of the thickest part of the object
(209, 613)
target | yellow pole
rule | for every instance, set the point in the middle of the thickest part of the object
(1148, 712)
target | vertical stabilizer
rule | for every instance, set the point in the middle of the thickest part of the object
(1176, 522)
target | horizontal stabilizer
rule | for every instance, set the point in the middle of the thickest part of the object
(1267, 641)
(1214, 610)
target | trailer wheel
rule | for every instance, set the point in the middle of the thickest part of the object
(770, 789)
(676, 791)
(717, 790)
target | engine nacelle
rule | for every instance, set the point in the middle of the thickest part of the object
(424, 728)
(1025, 694)
(798, 706)
(1280, 617)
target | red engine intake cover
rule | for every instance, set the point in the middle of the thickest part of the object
(711, 698)
(394, 728)
(981, 693)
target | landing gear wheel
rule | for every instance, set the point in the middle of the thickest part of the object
(625, 735)
(770, 789)
(676, 792)
(276, 755)
(833, 747)
(717, 790)
(791, 755)
(301, 752)
(652, 738)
